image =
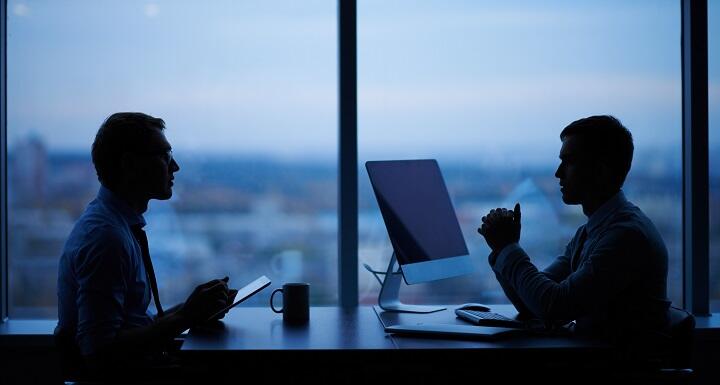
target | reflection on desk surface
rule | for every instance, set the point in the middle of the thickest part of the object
(516, 342)
(333, 328)
(258, 328)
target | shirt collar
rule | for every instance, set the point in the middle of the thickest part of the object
(604, 211)
(111, 199)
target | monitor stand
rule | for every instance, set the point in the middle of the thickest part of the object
(389, 298)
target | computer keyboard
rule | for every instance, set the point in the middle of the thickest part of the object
(486, 318)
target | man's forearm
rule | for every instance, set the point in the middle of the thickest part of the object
(127, 343)
(173, 309)
(543, 296)
(153, 336)
(510, 293)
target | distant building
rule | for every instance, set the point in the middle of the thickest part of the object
(28, 173)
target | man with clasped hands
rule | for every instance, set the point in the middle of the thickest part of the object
(612, 277)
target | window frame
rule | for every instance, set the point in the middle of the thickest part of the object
(4, 266)
(696, 213)
(694, 56)
(348, 155)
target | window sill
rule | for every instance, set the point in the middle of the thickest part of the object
(26, 333)
(708, 327)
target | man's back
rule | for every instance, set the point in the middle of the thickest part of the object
(624, 242)
(102, 285)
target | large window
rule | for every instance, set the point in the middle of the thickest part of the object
(249, 93)
(485, 87)
(714, 139)
(248, 90)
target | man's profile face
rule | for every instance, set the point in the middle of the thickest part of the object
(575, 171)
(156, 167)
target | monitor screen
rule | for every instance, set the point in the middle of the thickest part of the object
(420, 219)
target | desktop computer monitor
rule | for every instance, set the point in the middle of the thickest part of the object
(420, 220)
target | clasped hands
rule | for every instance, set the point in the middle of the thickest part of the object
(501, 227)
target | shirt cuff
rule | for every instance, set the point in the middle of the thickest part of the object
(503, 256)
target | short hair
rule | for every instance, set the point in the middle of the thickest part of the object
(607, 141)
(121, 132)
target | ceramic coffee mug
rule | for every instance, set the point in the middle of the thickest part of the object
(296, 302)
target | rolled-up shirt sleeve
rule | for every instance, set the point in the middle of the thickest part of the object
(602, 275)
(557, 271)
(101, 291)
(510, 293)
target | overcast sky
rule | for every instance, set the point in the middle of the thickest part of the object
(436, 78)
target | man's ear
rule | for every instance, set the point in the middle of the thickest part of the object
(128, 165)
(604, 174)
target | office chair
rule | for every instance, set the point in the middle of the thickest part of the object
(671, 361)
(681, 330)
(72, 364)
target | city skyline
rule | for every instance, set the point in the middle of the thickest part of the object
(218, 219)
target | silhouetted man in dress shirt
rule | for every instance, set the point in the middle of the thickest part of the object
(612, 277)
(105, 277)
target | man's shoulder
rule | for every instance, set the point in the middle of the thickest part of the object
(98, 215)
(628, 215)
(98, 225)
(631, 222)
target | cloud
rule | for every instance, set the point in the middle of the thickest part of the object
(21, 9)
(152, 10)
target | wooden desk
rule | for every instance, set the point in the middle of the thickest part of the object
(362, 352)
(351, 345)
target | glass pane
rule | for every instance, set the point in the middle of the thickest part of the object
(714, 116)
(248, 91)
(486, 87)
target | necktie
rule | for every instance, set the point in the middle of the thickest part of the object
(575, 261)
(141, 237)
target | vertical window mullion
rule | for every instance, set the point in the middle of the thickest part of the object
(347, 168)
(695, 156)
(3, 164)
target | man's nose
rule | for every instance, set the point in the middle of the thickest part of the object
(557, 172)
(174, 166)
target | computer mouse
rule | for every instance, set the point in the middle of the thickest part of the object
(474, 306)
